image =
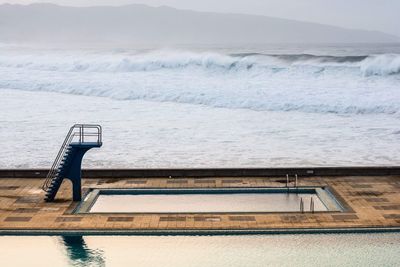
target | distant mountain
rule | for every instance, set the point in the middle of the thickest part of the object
(140, 24)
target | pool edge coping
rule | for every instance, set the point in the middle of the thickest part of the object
(189, 232)
(91, 196)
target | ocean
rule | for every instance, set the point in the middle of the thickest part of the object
(275, 105)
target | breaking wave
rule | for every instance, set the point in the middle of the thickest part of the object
(381, 65)
(308, 57)
(386, 64)
(365, 84)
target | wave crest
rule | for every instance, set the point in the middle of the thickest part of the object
(303, 83)
(381, 65)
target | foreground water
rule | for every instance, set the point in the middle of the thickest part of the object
(212, 107)
(176, 251)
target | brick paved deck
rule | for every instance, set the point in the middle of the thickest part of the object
(373, 202)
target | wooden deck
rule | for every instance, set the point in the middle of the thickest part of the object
(373, 201)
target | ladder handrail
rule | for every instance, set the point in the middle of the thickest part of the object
(56, 162)
(301, 205)
(67, 141)
(312, 205)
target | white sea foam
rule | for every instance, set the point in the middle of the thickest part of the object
(294, 82)
(143, 134)
(275, 108)
(94, 62)
(381, 65)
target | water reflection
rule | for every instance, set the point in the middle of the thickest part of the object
(199, 251)
(79, 254)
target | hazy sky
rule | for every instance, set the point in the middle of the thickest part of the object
(382, 15)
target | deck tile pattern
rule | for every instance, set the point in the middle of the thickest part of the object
(120, 219)
(68, 219)
(172, 219)
(242, 218)
(17, 219)
(370, 201)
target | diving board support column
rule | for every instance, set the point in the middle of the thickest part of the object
(75, 172)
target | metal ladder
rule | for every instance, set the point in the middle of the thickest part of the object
(312, 205)
(296, 183)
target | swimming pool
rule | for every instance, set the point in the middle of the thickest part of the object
(217, 200)
(195, 251)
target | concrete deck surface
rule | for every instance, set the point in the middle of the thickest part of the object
(373, 201)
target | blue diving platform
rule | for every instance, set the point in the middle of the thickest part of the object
(67, 165)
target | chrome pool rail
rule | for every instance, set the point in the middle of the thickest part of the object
(296, 182)
(301, 205)
(312, 208)
(312, 205)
